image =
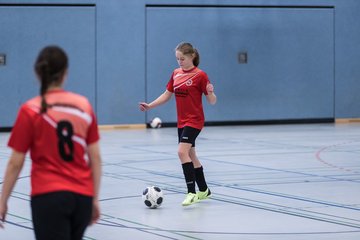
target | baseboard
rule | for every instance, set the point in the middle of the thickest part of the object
(347, 120)
(258, 122)
(122, 126)
(5, 129)
(270, 122)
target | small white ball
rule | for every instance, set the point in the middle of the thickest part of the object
(156, 123)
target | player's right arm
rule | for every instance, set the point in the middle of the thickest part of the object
(95, 164)
(163, 98)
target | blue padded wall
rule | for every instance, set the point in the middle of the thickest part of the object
(24, 31)
(303, 55)
(290, 69)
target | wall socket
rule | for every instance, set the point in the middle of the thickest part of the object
(242, 57)
(2, 59)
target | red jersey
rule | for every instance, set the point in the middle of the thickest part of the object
(188, 87)
(57, 141)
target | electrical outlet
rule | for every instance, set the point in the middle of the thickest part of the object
(2, 59)
(242, 57)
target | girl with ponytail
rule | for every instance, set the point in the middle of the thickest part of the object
(59, 128)
(189, 83)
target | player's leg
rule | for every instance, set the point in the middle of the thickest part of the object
(189, 173)
(185, 144)
(204, 191)
(50, 215)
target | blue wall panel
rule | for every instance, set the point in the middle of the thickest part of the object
(120, 61)
(24, 31)
(347, 71)
(290, 70)
(118, 73)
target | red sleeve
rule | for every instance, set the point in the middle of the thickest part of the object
(93, 132)
(22, 132)
(170, 84)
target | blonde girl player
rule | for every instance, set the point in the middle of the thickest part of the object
(188, 83)
(60, 130)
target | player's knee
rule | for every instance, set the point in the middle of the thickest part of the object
(183, 153)
(193, 155)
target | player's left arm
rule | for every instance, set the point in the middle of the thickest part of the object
(14, 166)
(210, 97)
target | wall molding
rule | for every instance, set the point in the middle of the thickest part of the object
(236, 6)
(47, 5)
(122, 126)
(347, 120)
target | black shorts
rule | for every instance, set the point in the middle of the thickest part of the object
(188, 135)
(61, 215)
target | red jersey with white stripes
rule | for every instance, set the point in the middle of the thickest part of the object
(188, 87)
(57, 141)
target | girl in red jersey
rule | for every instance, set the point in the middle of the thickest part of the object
(60, 130)
(188, 83)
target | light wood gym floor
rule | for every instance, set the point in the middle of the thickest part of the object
(269, 182)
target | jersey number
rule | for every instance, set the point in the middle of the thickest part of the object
(65, 143)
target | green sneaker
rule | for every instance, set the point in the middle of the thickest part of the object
(204, 195)
(190, 199)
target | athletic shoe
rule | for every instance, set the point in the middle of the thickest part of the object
(204, 195)
(190, 199)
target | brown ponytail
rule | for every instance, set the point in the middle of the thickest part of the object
(43, 68)
(196, 60)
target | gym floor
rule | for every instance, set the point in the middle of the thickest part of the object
(283, 182)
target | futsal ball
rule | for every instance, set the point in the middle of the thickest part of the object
(156, 123)
(152, 197)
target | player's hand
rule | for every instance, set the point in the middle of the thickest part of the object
(144, 106)
(3, 212)
(210, 88)
(95, 212)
